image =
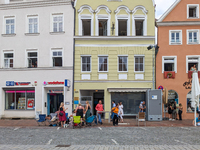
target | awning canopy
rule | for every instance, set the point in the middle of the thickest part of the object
(128, 89)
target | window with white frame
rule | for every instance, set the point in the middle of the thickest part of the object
(192, 36)
(122, 63)
(86, 27)
(122, 27)
(139, 27)
(193, 11)
(193, 63)
(10, 25)
(33, 24)
(32, 59)
(58, 23)
(103, 27)
(57, 58)
(103, 63)
(85, 63)
(139, 63)
(8, 60)
(169, 63)
(175, 37)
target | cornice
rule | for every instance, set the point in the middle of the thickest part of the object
(44, 3)
(36, 69)
(179, 23)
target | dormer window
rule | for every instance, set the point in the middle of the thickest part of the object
(193, 11)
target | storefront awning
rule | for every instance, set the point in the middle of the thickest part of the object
(128, 89)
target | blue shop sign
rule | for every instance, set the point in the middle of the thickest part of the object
(10, 83)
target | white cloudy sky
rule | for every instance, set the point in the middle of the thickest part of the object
(162, 6)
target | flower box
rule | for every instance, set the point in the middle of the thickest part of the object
(169, 74)
(190, 74)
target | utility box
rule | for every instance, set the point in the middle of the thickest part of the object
(154, 105)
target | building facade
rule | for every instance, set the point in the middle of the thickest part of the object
(179, 55)
(111, 57)
(36, 54)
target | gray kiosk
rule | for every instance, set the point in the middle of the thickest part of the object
(154, 105)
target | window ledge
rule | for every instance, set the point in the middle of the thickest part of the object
(19, 109)
(32, 34)
(8, 35)
(195, 43)
(176, 43)
(189, 112)
(193, 17)
(55, 33)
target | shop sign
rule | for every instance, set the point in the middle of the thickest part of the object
(55, 91)
(22, 83)
(154, 97)
(10, 83)
(53, 83)
(67, 103)
(67, 82)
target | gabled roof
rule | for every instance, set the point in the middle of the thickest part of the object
(168, 11)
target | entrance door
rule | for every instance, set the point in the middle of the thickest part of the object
(54, 100)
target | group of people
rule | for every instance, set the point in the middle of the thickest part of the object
(117, 112)
(175, 110)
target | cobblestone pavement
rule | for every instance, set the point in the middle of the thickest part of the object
(126, 138)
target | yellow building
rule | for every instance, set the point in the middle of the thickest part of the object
(111, 57)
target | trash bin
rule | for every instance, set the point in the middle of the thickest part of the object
(37, 114)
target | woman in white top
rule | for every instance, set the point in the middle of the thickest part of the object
(121, 112)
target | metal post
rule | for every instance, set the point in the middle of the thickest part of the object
(153, 70)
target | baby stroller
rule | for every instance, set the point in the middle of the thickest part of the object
(91, 120)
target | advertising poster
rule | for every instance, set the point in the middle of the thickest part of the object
(30, 103)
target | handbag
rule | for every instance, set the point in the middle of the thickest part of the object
(61, 114)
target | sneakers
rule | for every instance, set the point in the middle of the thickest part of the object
(173, 119)
(170, 119)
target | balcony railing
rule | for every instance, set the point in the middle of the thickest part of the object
(190, 74)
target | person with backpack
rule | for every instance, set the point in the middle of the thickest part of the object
(115, 111)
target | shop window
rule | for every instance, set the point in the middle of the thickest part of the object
(193, 11)
(86, 63)
(33, 24)
(139, 63)
(103, 27)
(175, 37)
(122, 63)
(32, 59)
(192, 36)
(189, 101)
(57, 58)
(103, 63)
(139, 28)
(57, 23)
(8, 60)
(19, 99)
(10, 25)
(86, 27)
(122, 27)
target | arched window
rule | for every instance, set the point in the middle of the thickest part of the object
(172, 98)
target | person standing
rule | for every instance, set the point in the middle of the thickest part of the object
(99, 107)
(174, 111)
(121, 112)
(87, 110)
(180, 111)
(62, 116)
(115, 111)
(142, 107)
(80, 111)
(113, 104)
(170, 111)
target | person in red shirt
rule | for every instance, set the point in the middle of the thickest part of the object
(99, 107)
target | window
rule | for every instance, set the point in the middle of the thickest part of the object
(123, 63)
(8, 60)
(122, 27)
(139, 63)
(57, 58)
(169, 63)
(33, 24)
(103, 63)
(57, 23)
(10, 25)
(189, 102)
(175, 37)
(192, 63)
(193, 11)
(86, 27)
(20, 99)
(192, 36)
(139, 27)
(103, 27)
(86, 63)
(32, 59)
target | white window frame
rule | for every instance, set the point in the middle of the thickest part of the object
(143, 63)
(90, 63)
(27, 22)
(139, 17)
(192, 30)
(53, 50)
(175, 62)
(107, 62)
(4, 24)
(197, 11)
(192, 56)
(85, 17)
(122, 17)
(180, 37)
(31, 51)
(118, 62)
(52, 22)
(102, 17)
(6, 52)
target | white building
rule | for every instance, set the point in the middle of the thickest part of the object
(36, 57)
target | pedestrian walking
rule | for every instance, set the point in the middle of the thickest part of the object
(115, 111)
(99, 107)
(121, 112)
(180, 111)
(87, 110)
(113, 105)
(62, 116)
(170, 111)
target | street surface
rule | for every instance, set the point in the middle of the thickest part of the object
(102, 138)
